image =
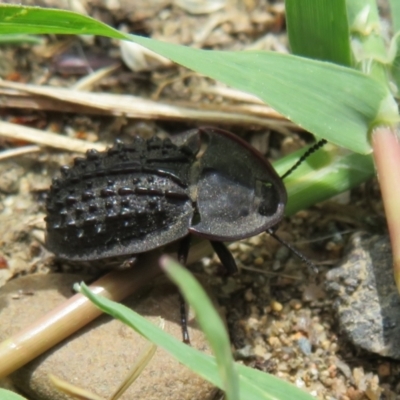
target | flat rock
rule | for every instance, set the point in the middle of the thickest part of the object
(98, 357)
(366, 298)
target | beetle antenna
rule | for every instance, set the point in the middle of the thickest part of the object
(302, 257)
(307, 154)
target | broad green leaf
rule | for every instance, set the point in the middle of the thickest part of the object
(332, 102)
(7, 395)
(319, 30)
(254, 385)
(210, 323)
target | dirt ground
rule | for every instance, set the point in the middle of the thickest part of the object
(280, 320)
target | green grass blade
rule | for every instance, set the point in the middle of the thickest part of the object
(319, 30)
(326, 173)
(395, 65)
(395, 14)
(332, 102)
(17, 39)
(368, 45)
(280, 390)
(254, 385)
(395, 44)
(209, 321)
(202, 364)
(7, 395)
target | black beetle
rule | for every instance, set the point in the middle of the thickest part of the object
(133, 198)
(136, 197)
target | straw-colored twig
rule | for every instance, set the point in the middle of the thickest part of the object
(18, 151)
(43, 138)
(138, 107)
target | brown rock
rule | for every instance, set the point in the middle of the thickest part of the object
(98, 357)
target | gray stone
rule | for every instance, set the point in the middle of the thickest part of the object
(98, 357)
(366, 298)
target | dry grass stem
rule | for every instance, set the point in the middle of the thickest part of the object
(73, 391)
(18, 151)
(136, 107)
(143, 359)
(233, 94)
(94, 78)
(44, 138)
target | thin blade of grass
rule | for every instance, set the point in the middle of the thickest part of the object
(72, 390)
(319, 30)
(395, 14)
(333, 102)
(18, 39)
(199, 362)
(202, 364)
(368, 46)
(143, 359)
(395, 63)
(8, 395)
(209, 321)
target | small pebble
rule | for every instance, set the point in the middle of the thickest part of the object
(282, 254)
(384, 369)
(259, 261)
(304, 345)
(259, 350)
(274, 342)
(249, 295)
(295, 304)
(276, 306)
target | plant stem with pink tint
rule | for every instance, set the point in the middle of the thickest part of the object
(386, 147)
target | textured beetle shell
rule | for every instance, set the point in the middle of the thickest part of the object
(134, 198)
(126, 200)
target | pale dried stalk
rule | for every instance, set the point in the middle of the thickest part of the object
(18, 151)
(137, 107)
(43, 138)
(78, 311)
(232, 94)
(89, 81)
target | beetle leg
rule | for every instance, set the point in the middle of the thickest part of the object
(183, 252)
(225, 256)
(312, 267)
(183, 249)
